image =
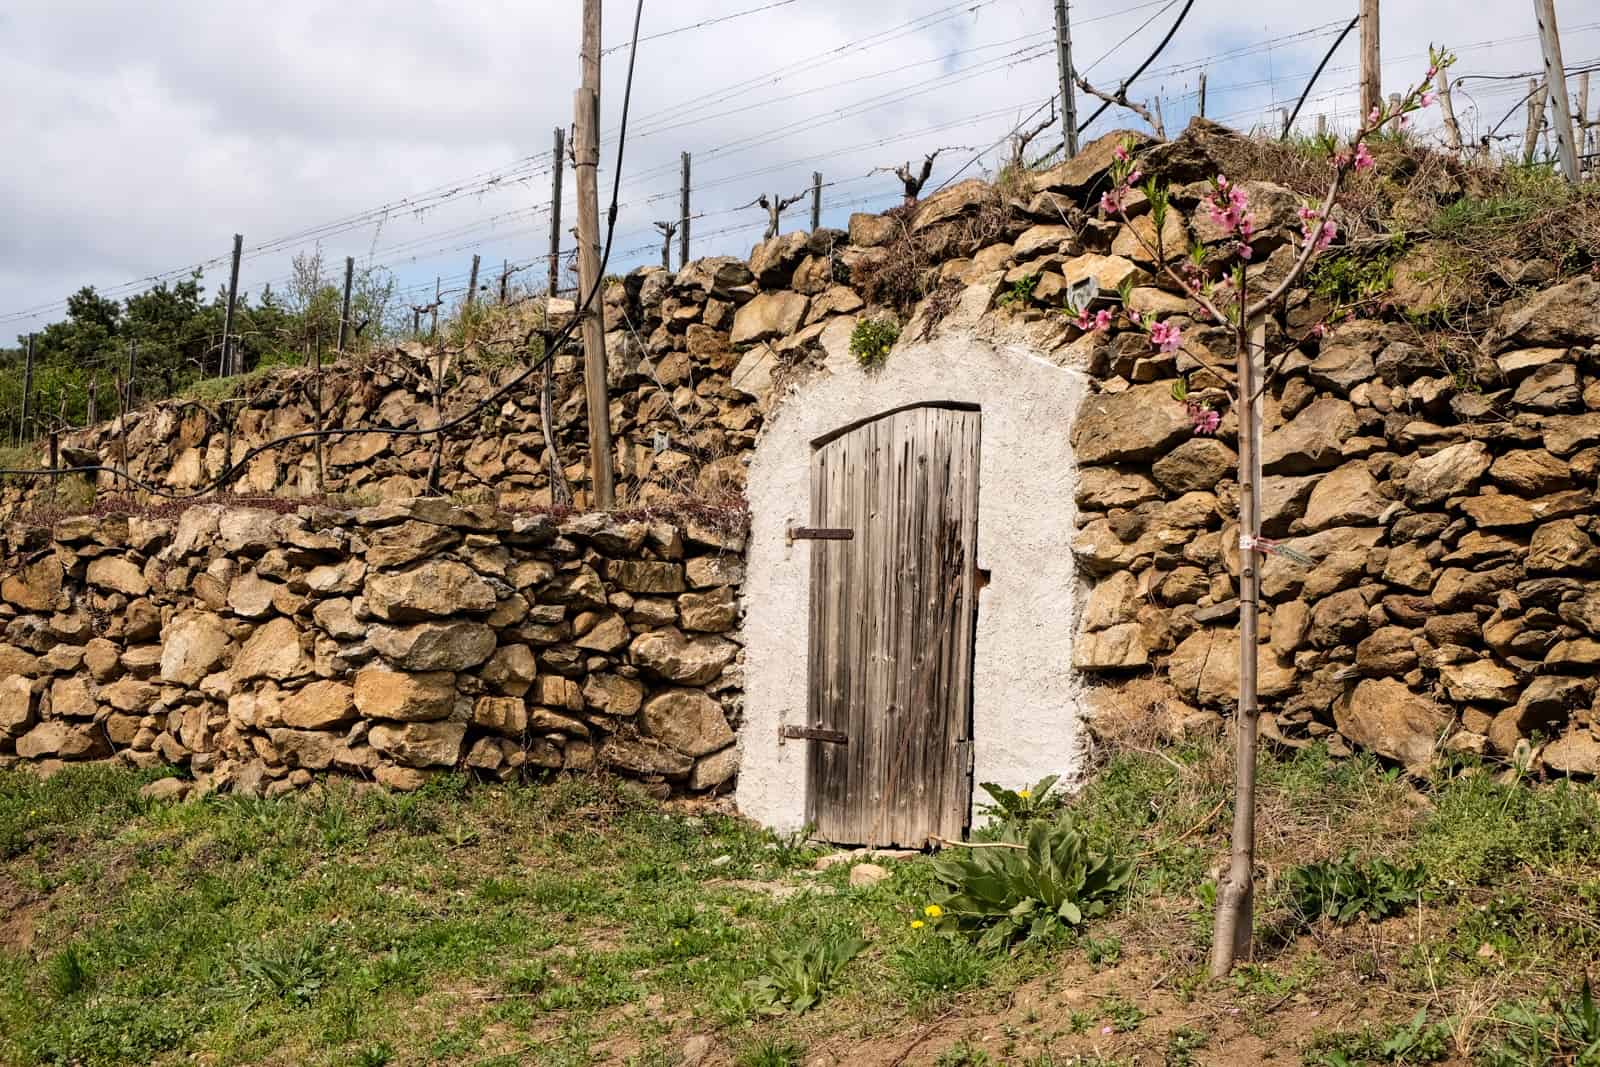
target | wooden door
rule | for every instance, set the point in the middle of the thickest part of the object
(891, 628)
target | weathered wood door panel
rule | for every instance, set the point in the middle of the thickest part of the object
(892, 616)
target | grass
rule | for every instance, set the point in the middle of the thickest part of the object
(579, 923)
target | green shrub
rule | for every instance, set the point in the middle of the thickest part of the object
(1021, 292)
(1033, 881)
(1346, 888)
(871, 340)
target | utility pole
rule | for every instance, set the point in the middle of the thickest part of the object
(1447, 109)
(472, 285)
(505, 276)
(1202, 94)
(1069, 103)
(1555, 80)
(227, 322)
(683, 216)
(816, 201)
(27, 389)
(1371, 76)
(586, 123)
(344, 311)
(558, 164)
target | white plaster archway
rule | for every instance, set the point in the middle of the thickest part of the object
(1026, 696)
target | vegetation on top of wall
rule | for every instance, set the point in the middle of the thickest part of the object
(871, 340)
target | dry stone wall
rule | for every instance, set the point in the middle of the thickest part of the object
(256, 647)
(1438, 469)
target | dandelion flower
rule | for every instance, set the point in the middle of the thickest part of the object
(933, 911)
(1024, 793)
(917, 924)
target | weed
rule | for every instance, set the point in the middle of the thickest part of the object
(1412, 1042)
(1102, 952)
(288, 969)
(933, 966)
(379, 1055)
(1182, 1044)
(963, 1054)
(1347, 888)
(771, 1052)
(69, 972)
(1023, 805)
(1030, 881)
(871, 340)
(1567, 1033)
(796, 978)
(1021, 292)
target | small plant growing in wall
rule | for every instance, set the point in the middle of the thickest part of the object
(871, 340)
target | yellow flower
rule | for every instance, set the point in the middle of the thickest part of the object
(933, 911)
(917, 924)
(1024, 793)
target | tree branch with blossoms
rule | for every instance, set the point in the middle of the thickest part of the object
(1228, 302)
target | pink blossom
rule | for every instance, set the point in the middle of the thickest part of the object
(1134, 176)
(1432, 72)
(1245, 251)
(1204, 420)
(1363, 160)
(1374, 115)
(1319, 330)
(1165, 337)
(1097, 323)
(1111, 202)
(1121, 153)
(1427, 97)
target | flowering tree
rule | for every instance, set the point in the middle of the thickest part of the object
(1219, 284)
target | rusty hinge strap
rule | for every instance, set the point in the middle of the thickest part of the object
(820, 533)
(814, 733)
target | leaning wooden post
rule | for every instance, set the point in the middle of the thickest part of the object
(591, 304)
(1447, 110)
(816, 201)
(344, 307)
(227, 366)
(557, 166)
(27, 389)
(1202, 94)
(683, 216)
(472, 285)
(1371, 68)
(438, 295)
(1555, 81)
(1530, 136)
(92, 412)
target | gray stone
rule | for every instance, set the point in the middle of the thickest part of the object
(434, 646)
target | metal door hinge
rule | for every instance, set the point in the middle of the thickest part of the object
(813, 733)
(819, 533)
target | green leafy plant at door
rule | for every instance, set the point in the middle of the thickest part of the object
(1035, 880)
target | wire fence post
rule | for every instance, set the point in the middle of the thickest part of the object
(227, 367)
(472, 284)
(558, 163)
(1069, 103)
(1555, 80)
(1530, 135)
(438, 295)
(27, 391)
(683, 216)
(505, 276)
(1202, 94)
(1371, 74)
(55, 463)
(344, 311)
(816, 200)
(91, 408)
(316, 410)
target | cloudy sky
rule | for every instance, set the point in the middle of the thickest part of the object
(139, 136)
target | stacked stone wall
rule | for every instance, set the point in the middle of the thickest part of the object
(255, 647)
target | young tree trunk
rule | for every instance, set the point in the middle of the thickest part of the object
(1231, 935)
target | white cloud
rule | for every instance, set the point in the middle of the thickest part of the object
(140, 137)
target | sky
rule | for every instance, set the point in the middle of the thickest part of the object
(139, 137)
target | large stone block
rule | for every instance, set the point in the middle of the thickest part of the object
(419, 744)
(405, 696)
(192, 647)
(688, 720)
(436, 589)
(434, 646)
(667, 653)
